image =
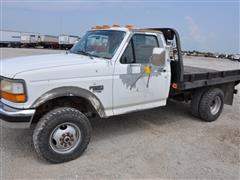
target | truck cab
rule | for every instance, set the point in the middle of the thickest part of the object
(106, 63)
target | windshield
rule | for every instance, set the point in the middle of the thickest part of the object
(100, 43)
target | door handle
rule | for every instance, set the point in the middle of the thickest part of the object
(161, 70)
(135, 65)
(135, 68)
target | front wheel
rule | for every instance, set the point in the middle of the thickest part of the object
(62, 135)
(211, 104)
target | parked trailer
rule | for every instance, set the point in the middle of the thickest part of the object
(67, 41)
(10, 38)
(48, 41)
(30, 39)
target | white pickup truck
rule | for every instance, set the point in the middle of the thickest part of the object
(110, 71)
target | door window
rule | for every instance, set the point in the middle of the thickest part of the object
(139, 49)
(128, 55)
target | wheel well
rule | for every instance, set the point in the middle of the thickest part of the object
(227, 88)
(76, 102)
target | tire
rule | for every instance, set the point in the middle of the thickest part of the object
(211, 104)
(62, 135)
(197, 95)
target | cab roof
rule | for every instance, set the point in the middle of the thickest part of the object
(127, 28)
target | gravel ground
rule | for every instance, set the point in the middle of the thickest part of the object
(164, 142)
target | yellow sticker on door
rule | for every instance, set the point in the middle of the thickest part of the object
(147, 70)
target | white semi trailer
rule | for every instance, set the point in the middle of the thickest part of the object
(10, 38)
(30, 39)
(67, 41)
(48, 41)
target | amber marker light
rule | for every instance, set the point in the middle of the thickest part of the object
(13, 90)
(18, 98)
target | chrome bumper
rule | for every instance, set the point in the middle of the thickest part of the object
(15, 118)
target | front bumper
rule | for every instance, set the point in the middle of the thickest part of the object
(15, 118)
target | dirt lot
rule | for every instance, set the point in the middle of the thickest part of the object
(165, 143)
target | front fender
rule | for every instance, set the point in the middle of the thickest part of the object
(68, 91)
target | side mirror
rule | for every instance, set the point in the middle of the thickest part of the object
(158, 57)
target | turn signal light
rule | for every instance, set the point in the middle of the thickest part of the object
(18, 98)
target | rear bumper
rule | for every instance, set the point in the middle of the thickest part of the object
(15, 118)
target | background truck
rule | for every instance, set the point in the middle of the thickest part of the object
(30, 39)
(10, 38)
(48, 41)
(67, 41)
(110, 71)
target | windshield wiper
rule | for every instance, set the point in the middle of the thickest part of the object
(85, 53)
(105, 57)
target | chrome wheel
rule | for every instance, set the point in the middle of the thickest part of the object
(216, 105)
(65, 138)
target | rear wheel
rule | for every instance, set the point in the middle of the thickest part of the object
(62, 135)
(211, 104)
(196, 97)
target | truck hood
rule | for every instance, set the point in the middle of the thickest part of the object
(13, 66)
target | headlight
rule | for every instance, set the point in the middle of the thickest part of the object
(13, 90)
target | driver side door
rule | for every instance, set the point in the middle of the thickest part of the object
(133, 89)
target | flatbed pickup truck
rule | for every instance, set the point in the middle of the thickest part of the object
(110, 71)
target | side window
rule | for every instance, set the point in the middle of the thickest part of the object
(143, 46)
(128, 56)
(139, 49)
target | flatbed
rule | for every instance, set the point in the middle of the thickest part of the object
(194, 77)
(196, 70)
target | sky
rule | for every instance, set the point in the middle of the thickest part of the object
(207, 25)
